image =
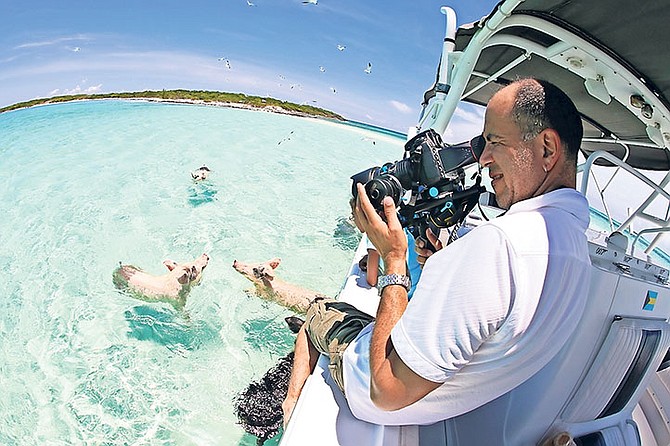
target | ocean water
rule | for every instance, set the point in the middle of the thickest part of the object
(89, 184)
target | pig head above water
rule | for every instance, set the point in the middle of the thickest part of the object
(172, 287)
(271, 287)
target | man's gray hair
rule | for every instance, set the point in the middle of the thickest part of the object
(541, 105)
(529, 109)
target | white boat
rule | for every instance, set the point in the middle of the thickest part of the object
(609, 384)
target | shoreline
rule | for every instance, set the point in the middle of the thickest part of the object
(244, 102)
(195, 97)
(267, 108)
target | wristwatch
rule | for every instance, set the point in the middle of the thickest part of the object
(393, 279)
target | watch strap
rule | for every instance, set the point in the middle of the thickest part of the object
(393, 279)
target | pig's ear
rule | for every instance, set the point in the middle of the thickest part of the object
(184, 278)
(274, 263)
(193, 273)
(264, 273)
(169, 264)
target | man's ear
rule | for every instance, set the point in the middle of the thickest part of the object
(552, 148)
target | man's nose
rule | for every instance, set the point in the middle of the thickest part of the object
(485, 158)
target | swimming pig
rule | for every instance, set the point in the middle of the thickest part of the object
(171, 288)
(270, 287)
(201, 173)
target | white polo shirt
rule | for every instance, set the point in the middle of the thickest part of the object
(491, 309)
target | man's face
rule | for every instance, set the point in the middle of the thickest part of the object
(515, 165)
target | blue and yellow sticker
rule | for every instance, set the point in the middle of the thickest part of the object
(650, 300)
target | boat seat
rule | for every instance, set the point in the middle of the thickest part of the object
(593, 384)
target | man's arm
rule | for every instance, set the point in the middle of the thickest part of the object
(393, 385)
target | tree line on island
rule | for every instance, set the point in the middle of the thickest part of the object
(199, 96)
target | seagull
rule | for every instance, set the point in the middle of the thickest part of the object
(76, 49)
(321, 69)
(368, 70)
(282, 77)
(250, 4)
(296, 85)
(307, 2)
(341, 47)
(333, 90)
(226, 61)
(286, 138)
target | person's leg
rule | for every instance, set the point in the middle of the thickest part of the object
(329, 327)
(304, 362)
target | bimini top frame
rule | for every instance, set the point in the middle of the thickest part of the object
(621, 107)
(621, 94)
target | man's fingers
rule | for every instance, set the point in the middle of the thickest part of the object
(432, 238)
(390, 213)
(363, 202)
(368, 211)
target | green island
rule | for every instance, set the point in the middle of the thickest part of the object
(195, 97)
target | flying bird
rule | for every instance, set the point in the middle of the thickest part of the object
(286, 138)
(368, 70)
(333, 90)
(76, 49)
(322, 69)
(250, 4)
(224, 60)
(307, 2)
(341, 47)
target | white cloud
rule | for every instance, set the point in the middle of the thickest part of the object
(401, 107)
(79, 90)
(467, 122)
(41, 43)
(145, 70)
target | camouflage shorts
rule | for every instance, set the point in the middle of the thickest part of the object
(331, 326)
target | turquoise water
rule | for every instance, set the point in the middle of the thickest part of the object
(86, 185)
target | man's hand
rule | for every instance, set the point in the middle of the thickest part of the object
(426, 248)
(385, 233)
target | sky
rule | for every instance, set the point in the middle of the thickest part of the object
(308, 53)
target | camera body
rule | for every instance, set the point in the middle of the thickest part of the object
(427, 185)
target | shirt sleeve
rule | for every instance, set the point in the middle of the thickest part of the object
(464, 295)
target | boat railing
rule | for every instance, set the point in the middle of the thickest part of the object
(660, 226)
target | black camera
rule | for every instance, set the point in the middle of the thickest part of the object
(427, 185)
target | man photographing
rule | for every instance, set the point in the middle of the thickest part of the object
(491, 308)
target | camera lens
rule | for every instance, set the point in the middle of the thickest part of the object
(363, 178)
(383, 186)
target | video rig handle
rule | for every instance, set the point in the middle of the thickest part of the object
(452, 212)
